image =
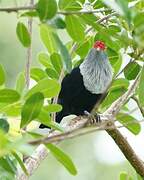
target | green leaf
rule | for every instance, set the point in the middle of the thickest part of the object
(118, 87)
(138, 20)
(115, 60)
(34, 134)
(52, 73)
(114, 29)
(47, 36)
(123, 4)
(119, 83)
(21, 163)
(49, 87)
(64, 54)
(2, 75)
(58, 23)
(138, 32)
(55, 126)
(29, 14)
(62, 158)
(12, 110)
(129, 122)
(112, 96)
(84, 47)
(125, 176)
(107, 38)
(46, 9)
(8, 164)
(31, 109)
(89, 19)
(44, 118)
(98, 4)
(139, 5)
(75, 28)
(44, 59)
(4, 125)
(120, 6)
(139, 177)
(56, 62)
(53, 108)
(37, 74)
(20, 83)
(9, 96)
(141, 88)
(23, 34)
(132, 70)
(70, 4)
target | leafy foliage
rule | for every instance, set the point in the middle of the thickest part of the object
(46, 9)
(2, 75)
(63, 158)
(23, 34)
(123, 33)
(31, 109)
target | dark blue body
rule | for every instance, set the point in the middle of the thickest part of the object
(74, 97)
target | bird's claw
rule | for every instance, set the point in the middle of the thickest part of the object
(93, 119)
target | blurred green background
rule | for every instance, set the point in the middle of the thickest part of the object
(96, 156)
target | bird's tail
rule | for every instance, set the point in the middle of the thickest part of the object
(60, 115)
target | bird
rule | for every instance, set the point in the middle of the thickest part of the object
(86, 84)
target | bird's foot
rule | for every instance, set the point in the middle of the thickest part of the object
(93, 119)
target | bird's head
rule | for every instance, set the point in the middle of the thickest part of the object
(96, 69)
(99, 46)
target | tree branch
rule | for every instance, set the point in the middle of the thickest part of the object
(75, 46)
(127, 150)
(16, 9)
(33, 162)
(80, 122)
(29, 51)
(33, 7)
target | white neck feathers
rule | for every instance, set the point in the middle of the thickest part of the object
(96, 71)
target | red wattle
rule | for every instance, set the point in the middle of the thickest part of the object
(99, 45)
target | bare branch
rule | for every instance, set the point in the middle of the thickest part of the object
(127, 150)
(16, 9)
(117, 105)
(33, 162)
(29, 51)
(33, 7)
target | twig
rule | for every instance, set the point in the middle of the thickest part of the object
(127, 150)
(56, 98)
(140, 108)
(114, 133)
(33, 163)
(29, 51)
(75, 46)
(83, 12)
(116, 106)
(103, 19)
(33, 7)
(82, 130)
(16, 9)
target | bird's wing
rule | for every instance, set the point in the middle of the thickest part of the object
(72, 86)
